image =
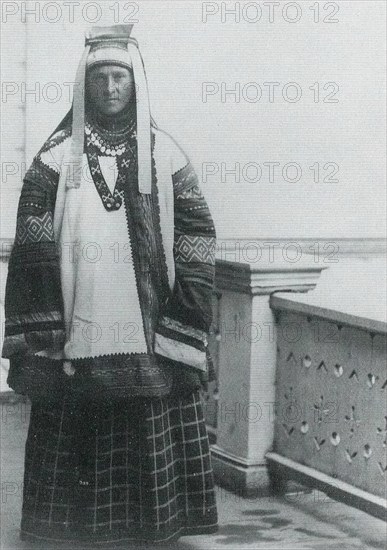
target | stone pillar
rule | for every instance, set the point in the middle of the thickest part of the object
(247, 364)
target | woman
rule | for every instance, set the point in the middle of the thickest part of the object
(108, 308)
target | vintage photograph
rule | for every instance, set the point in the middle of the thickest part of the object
(193, 274)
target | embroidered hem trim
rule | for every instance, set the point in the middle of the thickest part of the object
(180, 352)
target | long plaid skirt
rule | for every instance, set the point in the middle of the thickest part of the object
(137, 470)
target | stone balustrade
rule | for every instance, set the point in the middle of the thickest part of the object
(330, 416)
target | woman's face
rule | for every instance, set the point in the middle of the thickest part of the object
(110, 87)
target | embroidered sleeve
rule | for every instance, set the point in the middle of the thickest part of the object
(33, 298)
(183, 329)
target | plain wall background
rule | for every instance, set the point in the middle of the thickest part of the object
(180, 53)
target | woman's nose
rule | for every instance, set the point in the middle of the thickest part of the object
(111, 86)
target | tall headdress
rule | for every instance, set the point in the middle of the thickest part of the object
(112, 45)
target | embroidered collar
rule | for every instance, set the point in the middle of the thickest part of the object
(111, 201)
(126, 159)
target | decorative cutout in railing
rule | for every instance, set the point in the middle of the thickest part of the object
(331, 396)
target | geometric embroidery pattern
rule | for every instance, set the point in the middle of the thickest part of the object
(53, 151)
(34, 229)
(111, 201)
(193, 193)
(172, 324)
(195, 249)
(184, 179)
(57, 138)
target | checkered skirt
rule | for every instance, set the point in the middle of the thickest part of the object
(136, 470)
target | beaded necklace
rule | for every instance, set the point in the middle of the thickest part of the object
(110, 143)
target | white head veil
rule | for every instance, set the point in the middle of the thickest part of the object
(112, 45)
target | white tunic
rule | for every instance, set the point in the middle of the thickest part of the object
(102, 311)
(104, 315)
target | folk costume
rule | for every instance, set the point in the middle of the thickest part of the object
(112, 273)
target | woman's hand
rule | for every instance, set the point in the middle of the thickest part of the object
(68, 368)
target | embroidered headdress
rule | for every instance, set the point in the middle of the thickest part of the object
(112, 45)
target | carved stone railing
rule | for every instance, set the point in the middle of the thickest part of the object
(243, 346)
(330, 414)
